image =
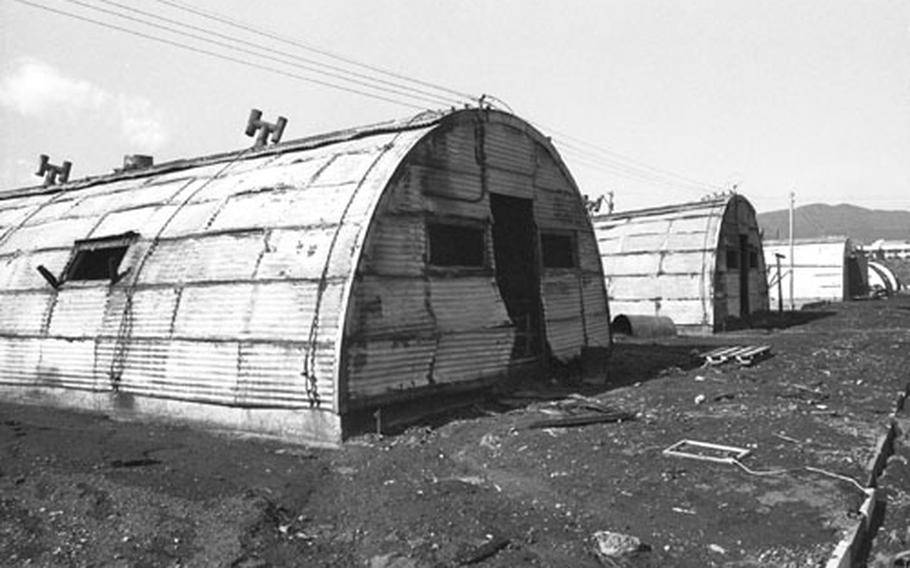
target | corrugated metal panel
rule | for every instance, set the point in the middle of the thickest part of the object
(271, 375)
(548, 175)
(12, 216)
(561, 297)
(390, 306)
(19, 272)
(302, 254)
(148, 220)
(78, 311)
(285, 311)
(382, 366)
(510, 183)
(256, 175)
(461, 304)
(18, 360)
(284, 207)
(51, 211)
(667, 286)
(67, 363)
(217, 257)
(140, 364)
(588, 255)
(396, 246)
(345, 169)
(565, 338)
(55, 234)
(213, 311)
(509, 148)
(191, 218)
(558, 210)
(203, 371)
(448, 148)
(472, 355)
(151, 315)
(23, 313)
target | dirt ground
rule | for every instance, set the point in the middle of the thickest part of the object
(490, 485)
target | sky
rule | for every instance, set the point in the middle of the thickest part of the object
(659, 102)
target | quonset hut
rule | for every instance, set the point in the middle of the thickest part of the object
(824, 269)
(699, 264)
(280, 290)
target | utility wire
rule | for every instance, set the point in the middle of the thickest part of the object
(648, 174)
(611, 154)
(249, 52)
(218, 55)
(323, 52)
(434, 97)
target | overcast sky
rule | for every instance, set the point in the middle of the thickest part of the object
(660, 102)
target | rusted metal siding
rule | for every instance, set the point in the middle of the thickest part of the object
(671, 261)
(820, 269)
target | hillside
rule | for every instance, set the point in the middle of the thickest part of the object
(818, 220)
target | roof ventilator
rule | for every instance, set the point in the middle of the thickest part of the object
(53, 174)
(137, 162)
(265, 129)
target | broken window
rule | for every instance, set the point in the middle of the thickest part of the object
(557, 250)
(98, 259)
(732, 258)
(456, 245)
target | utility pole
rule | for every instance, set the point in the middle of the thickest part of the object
(792, 273)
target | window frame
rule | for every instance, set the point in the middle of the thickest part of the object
(459, 224)
(84, 247)
(572, 236)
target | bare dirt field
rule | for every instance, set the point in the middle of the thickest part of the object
(495, 484)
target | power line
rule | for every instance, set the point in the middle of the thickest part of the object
(218, 55)
(323, 52)
(435, 101)
(434, 97)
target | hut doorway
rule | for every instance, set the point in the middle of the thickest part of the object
(744, 263)
(517, 273)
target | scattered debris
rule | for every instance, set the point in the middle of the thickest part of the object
(578, 410)
(613, 547)
(700, 399)
(493, 545)
(744, 355)
(717, 548)
(706, 451)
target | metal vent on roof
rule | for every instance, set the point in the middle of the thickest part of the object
(265, 129)
(53, 174)
(137, 162)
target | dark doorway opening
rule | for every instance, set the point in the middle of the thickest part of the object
(744, 266)
(517, 272)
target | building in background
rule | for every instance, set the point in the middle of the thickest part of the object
(699, 264)
(826, 269)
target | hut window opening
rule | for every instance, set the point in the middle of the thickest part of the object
(456, 245)
(99, 259)
(732, 258)
(557, 250)
(753, 259)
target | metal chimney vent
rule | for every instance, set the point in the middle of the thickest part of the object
(255, 123)
(137, 161)
(53, 174)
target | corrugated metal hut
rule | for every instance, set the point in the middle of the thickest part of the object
(699, 263)
(882, 278)
(280, 290)
(826, 269)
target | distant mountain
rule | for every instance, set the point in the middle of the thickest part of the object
(818, 220)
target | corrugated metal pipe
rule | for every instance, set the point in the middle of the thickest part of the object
(265, 129)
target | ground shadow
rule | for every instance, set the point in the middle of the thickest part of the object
(628, 364)
(785, 319)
